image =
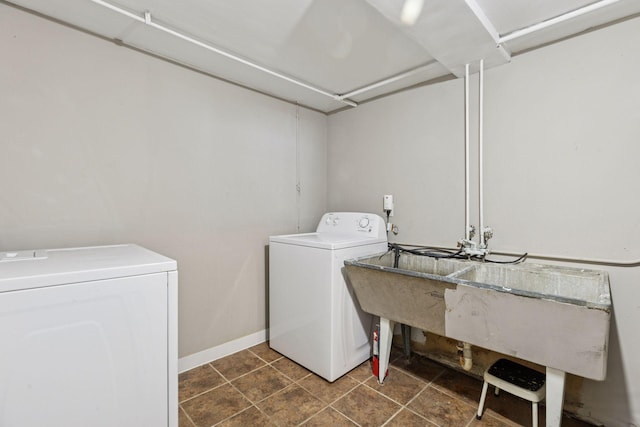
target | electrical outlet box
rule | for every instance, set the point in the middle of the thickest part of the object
(387, 203)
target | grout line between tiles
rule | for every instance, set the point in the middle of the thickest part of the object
(406, 405)
(304, 421)
(248, 373)
(290, 378)
(345, 415)
(298, 385)
(473, 417)
(393, 416)
(218, 372)
(334, 400)
(356, 380)
(416, 396)
(186, 414)
(452, 395)
(251, 401)
(427, 384)
(280, 356)
(204, 392)
(384, 395)
(241, 393)
(243, 375)
(240, 412)
(412, 375)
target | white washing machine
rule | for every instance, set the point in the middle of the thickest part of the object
(314, 317)
(89, 338)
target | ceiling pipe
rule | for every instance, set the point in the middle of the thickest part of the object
(390, 80)
(119, 10)
(553, 21)
(148, 21)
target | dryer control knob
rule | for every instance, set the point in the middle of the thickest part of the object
(364, 221)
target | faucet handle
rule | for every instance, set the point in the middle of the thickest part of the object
(472, 231)
(487, 232)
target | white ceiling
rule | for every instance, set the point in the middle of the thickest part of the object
(333, 51)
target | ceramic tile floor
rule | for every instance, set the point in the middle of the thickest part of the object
(260, 387)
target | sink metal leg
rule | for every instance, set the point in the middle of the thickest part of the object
(406, 340)
(386, 336)
(555, 396)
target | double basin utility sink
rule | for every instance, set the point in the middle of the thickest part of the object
(551, 315)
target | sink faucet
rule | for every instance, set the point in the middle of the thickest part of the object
(472, 248)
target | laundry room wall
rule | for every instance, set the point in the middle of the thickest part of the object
(561, 174)
(100, 144)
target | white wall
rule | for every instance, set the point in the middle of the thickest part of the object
(100, 144)
(561, 173)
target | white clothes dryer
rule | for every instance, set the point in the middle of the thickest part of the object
(314, 316)
(89, 338)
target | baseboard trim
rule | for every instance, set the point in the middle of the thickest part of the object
(222, 350)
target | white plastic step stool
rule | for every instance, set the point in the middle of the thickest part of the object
(516, 379)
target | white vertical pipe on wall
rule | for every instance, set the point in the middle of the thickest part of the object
(481, 154)
(298, 185)
(467, 235)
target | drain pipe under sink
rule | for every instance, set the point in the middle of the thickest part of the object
(465, 355)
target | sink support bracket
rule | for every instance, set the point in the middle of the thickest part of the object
(386, 337)
(555, 396)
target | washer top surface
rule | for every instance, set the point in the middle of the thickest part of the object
(49, 267)
(340, 230)
(325, 240)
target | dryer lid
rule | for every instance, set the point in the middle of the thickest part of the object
(53, 267)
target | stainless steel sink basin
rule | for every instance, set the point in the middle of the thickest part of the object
(412, 294)
(571, 285)
(555, 316)
(551, 315)
(412, 264)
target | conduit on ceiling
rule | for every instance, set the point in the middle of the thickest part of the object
(146, 19)
(554, 21)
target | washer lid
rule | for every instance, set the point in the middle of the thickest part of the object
(41, 268)
(326, 240)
